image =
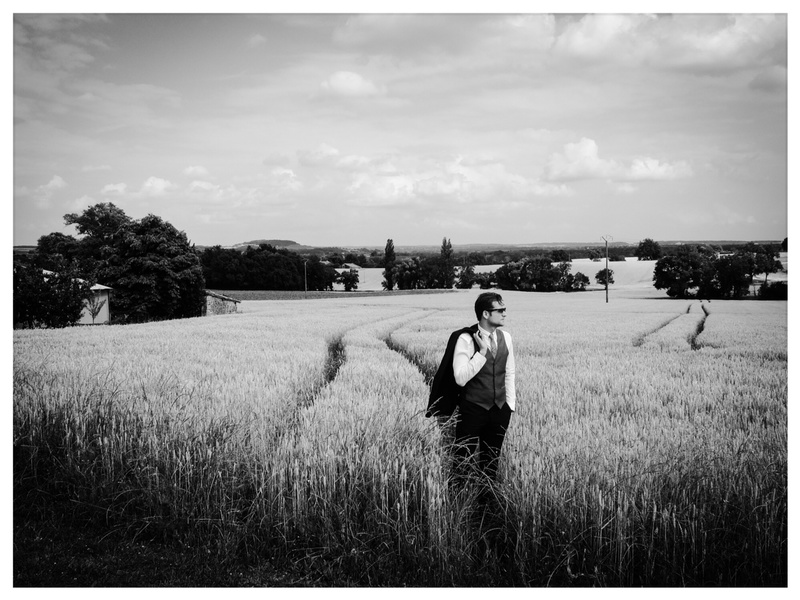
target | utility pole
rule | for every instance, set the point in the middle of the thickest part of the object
(606, 238)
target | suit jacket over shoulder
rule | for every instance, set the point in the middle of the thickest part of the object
(445, 392)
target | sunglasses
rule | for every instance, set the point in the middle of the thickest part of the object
(502, 311)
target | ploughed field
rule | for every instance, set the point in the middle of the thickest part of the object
(649, 446)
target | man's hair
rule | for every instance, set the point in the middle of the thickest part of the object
(485, 301)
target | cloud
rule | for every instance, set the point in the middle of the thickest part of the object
(284, 179)
(644, 169)
(581, 161)
(349, 85)
(202, 186)
(82, 203)
(44, 193)
(596, 36)
(457, 181)
(702, 44)
(256, 40)
(195, 171)
(322, 155)
(114, 188)
(155, 186)
(56, 183)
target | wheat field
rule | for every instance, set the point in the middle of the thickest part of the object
(649, 445)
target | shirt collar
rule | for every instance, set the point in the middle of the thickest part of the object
(483, 331)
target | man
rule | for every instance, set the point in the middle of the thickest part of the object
(483, 365)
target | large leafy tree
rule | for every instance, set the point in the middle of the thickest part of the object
(48, 299)
(648, 249)
(151, 266)
(155, 273)
(679, 274)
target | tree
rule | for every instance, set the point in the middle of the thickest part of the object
(760, 259)
(349, 279)
(48, 299)
(731, 277)
(530, 274)
(578, 283)
(447, 275)
(407, 274)
(388, 265)
(683, 273)
(595, 254)
(603, 275)
(466, 277)
(95, 305)
(155, 272)
(560, 256)
(54, 249)
(648, 249)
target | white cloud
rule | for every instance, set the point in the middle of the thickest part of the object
(284, 179)
(202, 186)
(56, 183)
(114, 188)
(461, 180)
(155, 186)
(44, 193)
(349, 84)
(594, 36)
(82, 203)
(578, 161)
(581, 161)
(195, 171)
(652, 169)
(256, 40)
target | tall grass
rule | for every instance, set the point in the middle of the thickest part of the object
(295, 432)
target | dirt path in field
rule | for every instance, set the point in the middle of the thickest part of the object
(691, 340)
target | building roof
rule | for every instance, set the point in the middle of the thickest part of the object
(97, 287)
(220, 296)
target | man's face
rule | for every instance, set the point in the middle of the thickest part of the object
(497, 316)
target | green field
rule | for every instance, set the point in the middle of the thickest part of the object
(286, 445)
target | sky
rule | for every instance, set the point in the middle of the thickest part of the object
(350, 128)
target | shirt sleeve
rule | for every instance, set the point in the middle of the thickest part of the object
(511, 367)
(466, 362)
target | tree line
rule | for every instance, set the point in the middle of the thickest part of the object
(529, 273)
(698, 271)
(157, 274)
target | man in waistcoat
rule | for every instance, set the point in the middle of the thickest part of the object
(483, 365)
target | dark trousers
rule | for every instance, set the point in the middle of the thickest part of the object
(479, 438)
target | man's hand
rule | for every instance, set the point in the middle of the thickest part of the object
(483, 345)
